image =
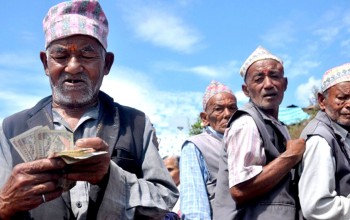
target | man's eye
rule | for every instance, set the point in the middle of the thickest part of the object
(88, 54)
(258, 79)
(275, 76)
(59, 56)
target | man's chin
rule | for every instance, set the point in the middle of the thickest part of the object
(73, 102)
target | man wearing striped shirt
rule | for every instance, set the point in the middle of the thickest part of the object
(257, 158)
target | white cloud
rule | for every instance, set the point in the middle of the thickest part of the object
(166, 110)
(241, 98)
(304, 92)
(22, 60)
(328, 34)
(280, 35)
(28, 36)
(161, 27)
(301, 67)
(12, 102)
(303, 62)
(345, 43)
(220, 71)
(333, 25)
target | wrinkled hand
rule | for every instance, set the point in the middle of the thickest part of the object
(295, 149)
(92, 169)
(27, 183)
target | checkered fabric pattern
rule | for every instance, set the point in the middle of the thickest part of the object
(212, 89)
(335, 75)
(74, 17)
(259, 53)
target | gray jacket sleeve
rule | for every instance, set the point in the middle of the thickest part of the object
(153, 195)
(5, 159)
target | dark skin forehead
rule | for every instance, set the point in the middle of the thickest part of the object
(259, 66)
(219, 100)
(72, 43)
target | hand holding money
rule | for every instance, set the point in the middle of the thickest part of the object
(41, 142)
(94, 168)
(27, 184)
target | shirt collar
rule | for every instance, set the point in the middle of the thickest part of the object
(342, 132)
(91, 113)
(211, 130)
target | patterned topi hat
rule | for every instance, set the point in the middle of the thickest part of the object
(259, 53)
(74, 17)
(335, 75)
(212, 89)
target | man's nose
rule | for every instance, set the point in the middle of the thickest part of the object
(227, 113)
(73, 65)
(268, 82)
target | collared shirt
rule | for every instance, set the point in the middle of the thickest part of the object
(318, 198)
(246, 154)
(151, 195)
(86, 127)
(194, 176)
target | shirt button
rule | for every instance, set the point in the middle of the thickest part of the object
(78, 204)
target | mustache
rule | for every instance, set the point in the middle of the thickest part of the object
(271, 92)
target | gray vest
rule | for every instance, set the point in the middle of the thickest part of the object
(122, 127)
(279, 203)
(209, 145)
(322, 125)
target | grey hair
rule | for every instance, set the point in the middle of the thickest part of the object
(176, 158)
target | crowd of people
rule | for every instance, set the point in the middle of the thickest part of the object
(243, 165)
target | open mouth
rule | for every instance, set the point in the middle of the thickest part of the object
(272, 95)
(73, 81)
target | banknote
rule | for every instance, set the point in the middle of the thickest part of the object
(25, 144)
(41, 142)
(73, 156)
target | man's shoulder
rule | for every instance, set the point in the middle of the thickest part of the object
(243, 120)
(128, 109)
(194, 138)
(108, 100)
(30, 111)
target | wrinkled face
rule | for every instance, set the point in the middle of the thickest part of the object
(336, 103)
(173, 168)
(76, 66)
(219, 110)
(265, 85)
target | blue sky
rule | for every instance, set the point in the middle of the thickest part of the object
(167, 51)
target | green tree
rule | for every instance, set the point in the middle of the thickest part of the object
(196, 128)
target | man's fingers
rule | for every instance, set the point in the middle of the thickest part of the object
(96, 143)
(40, 166)
(51, 195)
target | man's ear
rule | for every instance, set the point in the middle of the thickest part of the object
(43, 58)
(203, 116)
(286, 83)
(109, 59)
(245, 90)
(321, 99)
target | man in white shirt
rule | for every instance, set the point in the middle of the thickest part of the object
(324, 184)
